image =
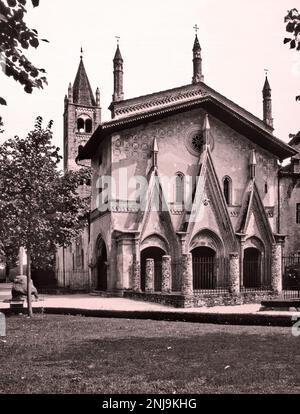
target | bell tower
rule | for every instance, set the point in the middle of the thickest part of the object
(82, 115)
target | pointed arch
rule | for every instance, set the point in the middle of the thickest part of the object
(155, 240)
(101, 255)
(208, 238)
(161, 216)
(208, 194)
(210, 266)
(255, 265)
(255, 242)
(252, 204)
(153, 247)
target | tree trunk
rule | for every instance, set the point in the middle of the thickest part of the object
(21, 261)
(29, 293)
(7, 273)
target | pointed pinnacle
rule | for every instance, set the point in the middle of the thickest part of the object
(206, 125)
(196, 44)
(118, 55)
(253, 160)
(267, 84)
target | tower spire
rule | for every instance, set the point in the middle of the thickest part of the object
(197, 59)
(82, 91)
(267, 102)
(118, 74)
(82, 115)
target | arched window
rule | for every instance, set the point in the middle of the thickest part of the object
(80, 125)
(227, 184)
(266, 188)
(179, 191)
(88, 126)
(84, 124)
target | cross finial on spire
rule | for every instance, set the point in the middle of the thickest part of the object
(197, 61)
(81, 53)
(118, 39)
(266, 72)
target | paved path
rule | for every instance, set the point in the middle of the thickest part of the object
(86, 301)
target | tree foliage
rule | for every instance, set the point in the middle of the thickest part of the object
(293, 28)
(40, 207)
(15, 38)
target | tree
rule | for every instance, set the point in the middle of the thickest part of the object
(40, 208)
(9, 252)
(15, 37)
(293, 27)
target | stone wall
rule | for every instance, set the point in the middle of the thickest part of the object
(132, 151)
(289, 197)
(180, 301)
(72, 264)
(173, 300)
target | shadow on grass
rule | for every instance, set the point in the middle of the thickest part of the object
(78, 355)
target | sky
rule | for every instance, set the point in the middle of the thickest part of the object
(239, 39)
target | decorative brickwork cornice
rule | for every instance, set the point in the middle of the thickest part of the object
(133, 112)
(182, 94)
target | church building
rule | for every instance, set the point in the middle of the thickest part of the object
(187, 194)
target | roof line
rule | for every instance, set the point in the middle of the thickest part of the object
(148, 114)
(127, 121)
(132, 104)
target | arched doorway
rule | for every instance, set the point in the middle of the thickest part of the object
(204, 268)
(157, 254)
(252, 268)
(101, 266)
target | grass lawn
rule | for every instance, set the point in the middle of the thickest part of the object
(60, 354)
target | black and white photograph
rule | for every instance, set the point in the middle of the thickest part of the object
(149, 200)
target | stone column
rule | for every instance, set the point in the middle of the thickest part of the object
(182, 240)
(276, 276)
(136, 276)
(234, 273)
(119, 264)
(166, 274)
(187, 275)
(126, 257)
(136, 267)
(149, 276)
(242, 252)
